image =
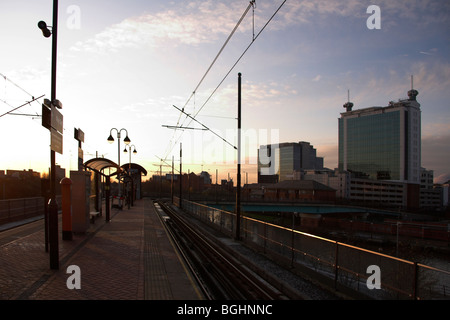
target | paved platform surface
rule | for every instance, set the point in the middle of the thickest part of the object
(128, 258)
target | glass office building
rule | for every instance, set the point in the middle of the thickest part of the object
(382, 143)
(285, 161)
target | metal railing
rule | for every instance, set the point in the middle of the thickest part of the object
(342, 264)
(18, 209)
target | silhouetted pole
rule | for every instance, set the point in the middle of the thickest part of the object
(181, 173)
(171, 183)
(66, 185)
(53, 206)
(107, 198)
(238, 187)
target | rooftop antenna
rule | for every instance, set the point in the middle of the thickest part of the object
(348, 105)
(412, 94)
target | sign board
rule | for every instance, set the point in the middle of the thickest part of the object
(46, 117)
(79, 135)
(57, 120)
(56, 141)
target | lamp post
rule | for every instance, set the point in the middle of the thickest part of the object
(130, 200)
(238, 186)
(134, 151)
(53, 206)
(126, 140)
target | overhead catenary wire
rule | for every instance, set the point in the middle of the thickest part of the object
(218, 54)
(193, 119)
(28, 102)
(239, 59)
(15, 84)
(22, 89)
(251, 4)
(231, 69)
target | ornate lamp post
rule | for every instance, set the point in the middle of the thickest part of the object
(53, 206)
(126, 140)
(130, 200)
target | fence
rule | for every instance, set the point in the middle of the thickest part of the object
(18, 209)
(339, 263)
(432, 231)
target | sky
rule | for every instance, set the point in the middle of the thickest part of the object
(128, 64)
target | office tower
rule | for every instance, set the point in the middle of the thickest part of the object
(383, 143)
(285, 161)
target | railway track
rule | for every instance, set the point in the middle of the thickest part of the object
(220, 275)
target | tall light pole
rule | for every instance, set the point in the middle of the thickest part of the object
(238, 186)
(126, 151)
(53, 206)
(126, 140)
(130, 200)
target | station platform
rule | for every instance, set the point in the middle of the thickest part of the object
(130, 257)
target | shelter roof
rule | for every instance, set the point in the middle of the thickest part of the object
(135, 166)
(99, 164)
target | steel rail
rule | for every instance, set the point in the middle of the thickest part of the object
(236, 281)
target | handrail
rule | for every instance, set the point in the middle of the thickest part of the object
(286, 241)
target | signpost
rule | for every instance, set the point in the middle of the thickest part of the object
(79, 136)
(52, 119)
(56, 141)
(52, 124)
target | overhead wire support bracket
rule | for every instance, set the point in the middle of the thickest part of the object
(28, 102)
(167, 165)
(206, 128)
(183, 128)
(253, 4)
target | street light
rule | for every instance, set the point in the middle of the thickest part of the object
(130, 200)
(45, 31)
(129, 147)
(53, 206)
(125, 151)
(126, 141)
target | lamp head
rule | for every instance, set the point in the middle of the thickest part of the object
(45, 31)
(127, 140)
(110, 139)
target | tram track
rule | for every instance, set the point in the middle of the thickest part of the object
(220, 274)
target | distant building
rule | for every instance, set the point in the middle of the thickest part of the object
(23, 173)
(384, 143)
(290, 191)
(287, 161)
(206, 177)
(430, 196)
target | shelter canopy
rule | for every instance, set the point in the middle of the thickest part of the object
(100, 164)
(135, 166)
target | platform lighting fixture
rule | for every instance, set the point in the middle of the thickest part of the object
(111, 139)
(126, 151)
(45, 31)
(126, 141)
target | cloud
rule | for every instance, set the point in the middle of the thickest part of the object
(313, 11)
(191, 24)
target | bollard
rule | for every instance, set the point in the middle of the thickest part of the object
(66, 193)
